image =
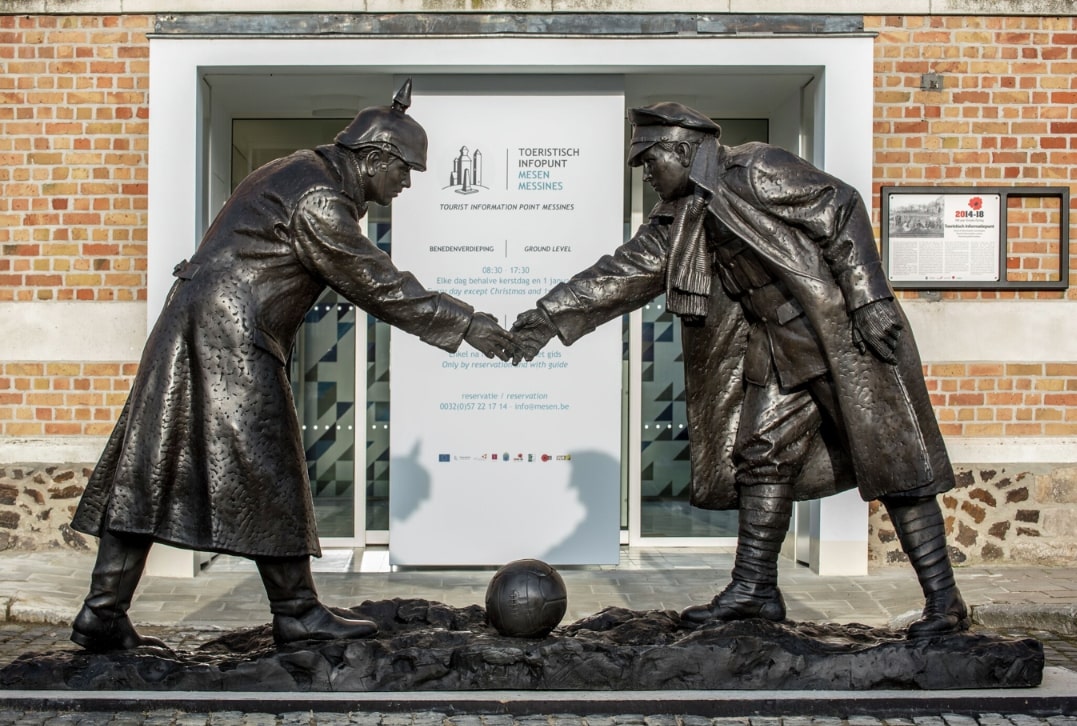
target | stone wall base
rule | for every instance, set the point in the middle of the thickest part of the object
(37, 502)
(998, 514)
(1009, 515)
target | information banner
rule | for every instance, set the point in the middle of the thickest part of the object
(943, 237)
(492, 462)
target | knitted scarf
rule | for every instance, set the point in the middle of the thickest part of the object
(688, 272)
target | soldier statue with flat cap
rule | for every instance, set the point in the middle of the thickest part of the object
(801, 378)
(207, 453)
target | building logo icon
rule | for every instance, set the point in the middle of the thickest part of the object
(466, 175)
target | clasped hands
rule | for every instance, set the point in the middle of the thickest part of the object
(531, 331)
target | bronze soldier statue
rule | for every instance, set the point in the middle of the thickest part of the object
(800, 381)
(207, 453)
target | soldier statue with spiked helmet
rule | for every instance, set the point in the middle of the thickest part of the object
(207, 453)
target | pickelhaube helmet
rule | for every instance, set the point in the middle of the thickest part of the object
(389, 128)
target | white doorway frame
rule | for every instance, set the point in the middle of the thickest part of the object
(842, 138)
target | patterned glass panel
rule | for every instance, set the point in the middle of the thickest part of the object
(377, 406)
(665, 471)
(323, 380)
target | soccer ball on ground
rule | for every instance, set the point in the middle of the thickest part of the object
(526, 599)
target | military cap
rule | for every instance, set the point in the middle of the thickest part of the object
(389, 128)
(667, 121)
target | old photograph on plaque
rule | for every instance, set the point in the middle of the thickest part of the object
(944, 236)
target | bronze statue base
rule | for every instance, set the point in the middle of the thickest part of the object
(428, 646)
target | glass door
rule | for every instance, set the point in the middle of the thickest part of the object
(375, 497)
(323, 382)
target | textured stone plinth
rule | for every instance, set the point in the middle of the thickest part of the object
(424, 646)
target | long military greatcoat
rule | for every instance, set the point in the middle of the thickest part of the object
(207, 453)
(814, 234)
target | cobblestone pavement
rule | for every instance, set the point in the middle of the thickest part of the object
(19, 638)
(306, 718)
(430, 718)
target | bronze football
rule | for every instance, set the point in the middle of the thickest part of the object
(526, 599)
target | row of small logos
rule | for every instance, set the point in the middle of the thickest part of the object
(442, 458)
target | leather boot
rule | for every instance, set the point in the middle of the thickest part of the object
(739, 601)
(297, 613)
(102, 623)
(922, 533)
(765, 510)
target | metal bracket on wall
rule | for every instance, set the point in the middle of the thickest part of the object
(931, 82)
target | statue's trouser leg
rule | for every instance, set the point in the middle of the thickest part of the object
(297, 612)
(773, 439)
(920, 529)
(765, 510)
(774, 436)
(102, 623)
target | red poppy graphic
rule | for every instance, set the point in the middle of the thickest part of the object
(976, 203)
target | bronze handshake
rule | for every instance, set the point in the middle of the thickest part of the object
(531, 331)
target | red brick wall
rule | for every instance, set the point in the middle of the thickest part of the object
(73, 140)
(73, 167)
(1004, 399)
(1007, 116)
(1033, 237)
(62, 399)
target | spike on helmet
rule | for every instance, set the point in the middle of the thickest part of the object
(389, 128)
